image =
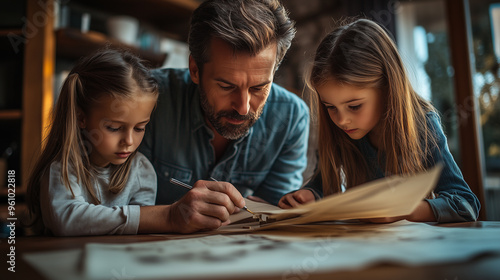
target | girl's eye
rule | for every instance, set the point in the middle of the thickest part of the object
(331, 108)
(139, 129)
(355, 108)
(112, 129)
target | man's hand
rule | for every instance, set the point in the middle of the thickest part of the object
(206, 206)
(296, 198)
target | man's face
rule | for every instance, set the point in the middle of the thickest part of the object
(234, 87)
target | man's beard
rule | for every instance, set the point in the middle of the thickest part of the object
(227, 130)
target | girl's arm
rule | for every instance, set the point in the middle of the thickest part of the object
(143, 175)
(65, 215)
(455, 202)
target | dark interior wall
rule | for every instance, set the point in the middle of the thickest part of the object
(314, 19)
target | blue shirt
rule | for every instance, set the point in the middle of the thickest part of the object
(455, 202)
(267, 162)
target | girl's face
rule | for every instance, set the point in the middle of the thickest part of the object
(356, 111)
(115, 127)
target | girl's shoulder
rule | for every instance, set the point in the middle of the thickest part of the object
(142, 171)
(141, 162)
(433, 116)
(56, 167)
(434, 123)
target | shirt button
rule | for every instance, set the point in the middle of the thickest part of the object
(166, 173)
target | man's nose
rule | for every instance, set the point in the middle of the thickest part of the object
(241, 102)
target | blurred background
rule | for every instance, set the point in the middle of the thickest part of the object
(451, 49)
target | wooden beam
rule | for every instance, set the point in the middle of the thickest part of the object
(460, 38)
(38, 97)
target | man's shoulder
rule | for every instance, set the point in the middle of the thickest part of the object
(283, 98)
(175, 87)
(166, 76)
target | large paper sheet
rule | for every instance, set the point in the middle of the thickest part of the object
(341, 247)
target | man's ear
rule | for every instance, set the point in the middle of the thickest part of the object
(194, 70)
(80, 115)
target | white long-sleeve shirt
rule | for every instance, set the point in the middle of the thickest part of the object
(119, 213)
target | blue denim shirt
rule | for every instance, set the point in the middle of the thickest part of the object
(455, 202)
(267, 162)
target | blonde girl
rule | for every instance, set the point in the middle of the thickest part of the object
(89, 179)
(373, 124)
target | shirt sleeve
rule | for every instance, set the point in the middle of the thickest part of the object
(147, 182)
(455, 202)
(286, 172)
(315, 186)
(146, 146)
(64, 215)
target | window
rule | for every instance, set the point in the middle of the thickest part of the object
(485, 26)
(422, 38)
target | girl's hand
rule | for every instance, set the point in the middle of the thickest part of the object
(296, 198)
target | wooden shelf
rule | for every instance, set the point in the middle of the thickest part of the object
(171, 16)
(73, 44)
(5, 32)
(4, 191)
(11, 114)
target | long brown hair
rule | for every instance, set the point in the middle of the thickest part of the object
(105, 73)
(362, 54)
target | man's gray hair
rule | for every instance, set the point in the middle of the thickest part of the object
(246, 25)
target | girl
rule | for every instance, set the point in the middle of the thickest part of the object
(372, 124)
(89, 179)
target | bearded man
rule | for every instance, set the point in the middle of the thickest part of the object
(224, 118)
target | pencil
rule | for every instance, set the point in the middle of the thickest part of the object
(179, 183)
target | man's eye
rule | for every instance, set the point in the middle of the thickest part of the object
(226, 87)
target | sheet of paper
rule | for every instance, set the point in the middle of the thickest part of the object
(361, 245)
(387, 197)
(342, 246)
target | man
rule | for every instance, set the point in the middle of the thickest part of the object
(224, 119)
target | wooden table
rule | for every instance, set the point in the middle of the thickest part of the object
(483, 267)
